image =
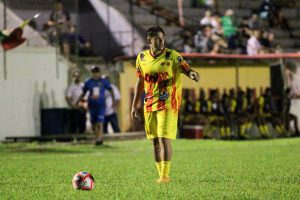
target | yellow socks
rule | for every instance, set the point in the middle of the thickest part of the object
(165, 169)
(158, 166)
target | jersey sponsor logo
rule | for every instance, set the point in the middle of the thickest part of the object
(157, 77)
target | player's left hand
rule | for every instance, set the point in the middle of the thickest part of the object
(194, 76)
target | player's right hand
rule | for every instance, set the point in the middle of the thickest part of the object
(134, 113)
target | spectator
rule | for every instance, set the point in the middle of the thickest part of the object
(268, 43)
(96, 87)
(244, 27)
(47, 33)
(253, 21)
(268, 11)
(283, 22)
(198, 3)
(75, 42)
(77, 113)
(211, 20)
(230, 30)
(264, 39)
(208, 42)
(111, 115)
(211, 4)
(243, 36)
(208, 4)
(87, 51)
(253, 45)
(59, 22)
(217, 24)
(207, 19)
(228, 25)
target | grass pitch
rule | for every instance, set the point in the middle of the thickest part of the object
(203, 169)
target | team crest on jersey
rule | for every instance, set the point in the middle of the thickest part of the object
(163, 96)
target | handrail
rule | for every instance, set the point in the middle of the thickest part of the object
(227, 56)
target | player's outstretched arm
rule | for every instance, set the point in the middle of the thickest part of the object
(138, 92)
(188, 71)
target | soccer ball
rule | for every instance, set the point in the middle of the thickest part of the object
(83, 181)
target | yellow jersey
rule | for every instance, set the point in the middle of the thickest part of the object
(162, 79)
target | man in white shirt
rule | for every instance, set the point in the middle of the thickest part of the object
(110, 110)
(77, 113)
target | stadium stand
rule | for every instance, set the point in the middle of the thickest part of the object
(165, 14)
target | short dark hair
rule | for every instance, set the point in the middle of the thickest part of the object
(153, 31)
(95, 69)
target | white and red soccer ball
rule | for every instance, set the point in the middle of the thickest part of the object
(83, 181)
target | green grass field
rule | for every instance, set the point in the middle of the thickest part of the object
(203, 169)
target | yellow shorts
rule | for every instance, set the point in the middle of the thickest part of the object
(161, 123)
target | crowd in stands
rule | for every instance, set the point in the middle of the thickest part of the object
(216, 33)
(226, 33)
(234, 114)
(60, 30)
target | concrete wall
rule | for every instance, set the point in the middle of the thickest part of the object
(32, 83)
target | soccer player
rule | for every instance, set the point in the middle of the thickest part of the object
(159, 75)
(96, 87)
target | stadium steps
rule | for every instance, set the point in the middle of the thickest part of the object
(173, 4)
(291, 13)
(286, 42)
(148, 20)
(237, 4)
(39, 4)
(144, 18)
(294, 23)
(195, 13)
(76, 137)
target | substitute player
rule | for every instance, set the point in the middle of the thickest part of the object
(159, 75)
